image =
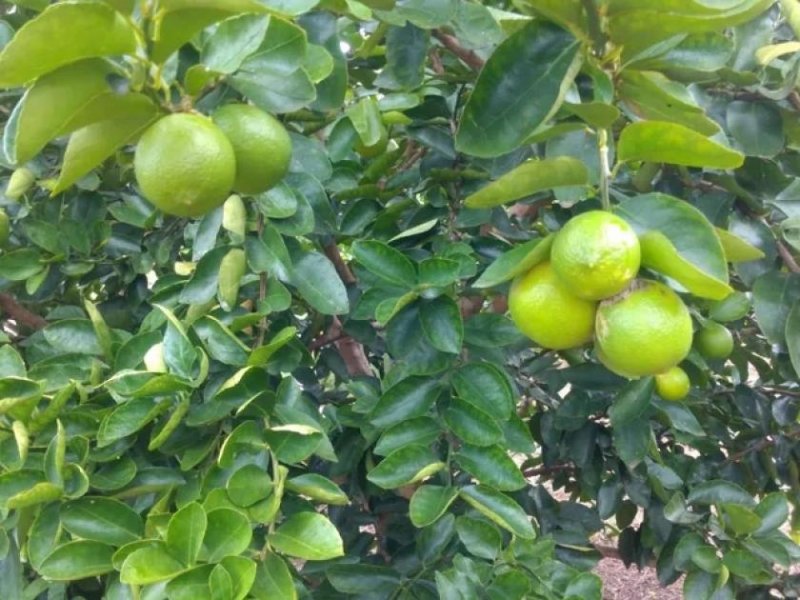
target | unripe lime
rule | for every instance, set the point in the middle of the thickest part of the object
(154, 359)
(673, 384)
(646, 330)
(545, 311)
(231, 270)
(234, 217)
(596, 254)
(262, 147)
(185, 165)
(20, 182)
(714, 341)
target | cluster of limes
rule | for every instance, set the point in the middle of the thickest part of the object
(588, 289)
(186, 164)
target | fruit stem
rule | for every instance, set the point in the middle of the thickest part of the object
(605, 170)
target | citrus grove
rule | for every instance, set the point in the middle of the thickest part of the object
(398, 299)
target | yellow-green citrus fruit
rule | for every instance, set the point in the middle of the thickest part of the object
(5, 227)
(673, 384)
(231, 270)
(714, 341)
(234, 217)
(20, 182)
(184, 165)
(596, 254)
(545, 311)
(261, 144)
(375, 149)
(646, 330)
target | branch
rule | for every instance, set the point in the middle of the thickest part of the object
(20, 314)
(262, 293)
(545, 470)
(469, 57)
(352, 352)
(335, 256)
(787, 258)
(333, 334)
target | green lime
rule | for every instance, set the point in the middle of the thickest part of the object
(546, 311)
(596, 254)
(261, 144)
(184, 165)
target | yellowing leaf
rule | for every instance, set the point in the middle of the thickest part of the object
(736, 249)
(766, 54)
(529, 178)
(662, 142)
(659, 254)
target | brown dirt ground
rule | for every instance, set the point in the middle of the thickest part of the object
(620, 583)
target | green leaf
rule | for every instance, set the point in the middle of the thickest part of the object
(317, 487)
(406, 53)
(366, 119)
(429, 502)
(411, 397)
(385, 262)
(773, 510)
(185, 532)
(653, 96)
(191, 584)
(491, 466)
(273, 580)
(637, 26)
(150, 564)
(220, 342)
(743, 563)
(128, 418)
(18, 396)
(699, 584)
(73, 335)
(232, 42)
(40, 493)
(77, 560)
(242, 572)
(499, 508)
(420, 431)
(62, 34)
(596, 114)
(471, 424)
(11, 363)
(363, 579)
(516, 261)
(86, 98)
(687, 228)
(481, 539)
(774, 295)
(228, 533)
(248, 485)
(307, 535)
(319, 284)
(633, 440)
(659, 254)
(663, 142)
(719, 491)
(793, 336)
(757, 127)
(441, 322)
(21, 264)
(404, 466)
(632, 402)
(530, 178)
(178, 21)
(102, 520)
(484, 386)
(522, 84)
(742, 521)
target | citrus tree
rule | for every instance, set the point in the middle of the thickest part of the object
(398, 299)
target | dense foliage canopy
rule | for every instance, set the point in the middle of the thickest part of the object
(344, 409)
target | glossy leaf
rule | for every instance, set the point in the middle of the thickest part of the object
(522, 84)
(318, 283)
(486, 388)
(228, 533)
(491, 466)
(499, 508)
(385, 262)
(404, 466)
(659, 141)
(150, 564)
(62, 34)
(273, 580)
(77, 560)
(430, 502)
(102, 520)
(185, 532)
(530, 178)
(441, 322)
(307, 535)
(412, 397)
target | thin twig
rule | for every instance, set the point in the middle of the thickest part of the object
(335, 256)
(262, 294)
(546, 470)
(787, 258)
(467, 56)
(23, 316)
(333, 334)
